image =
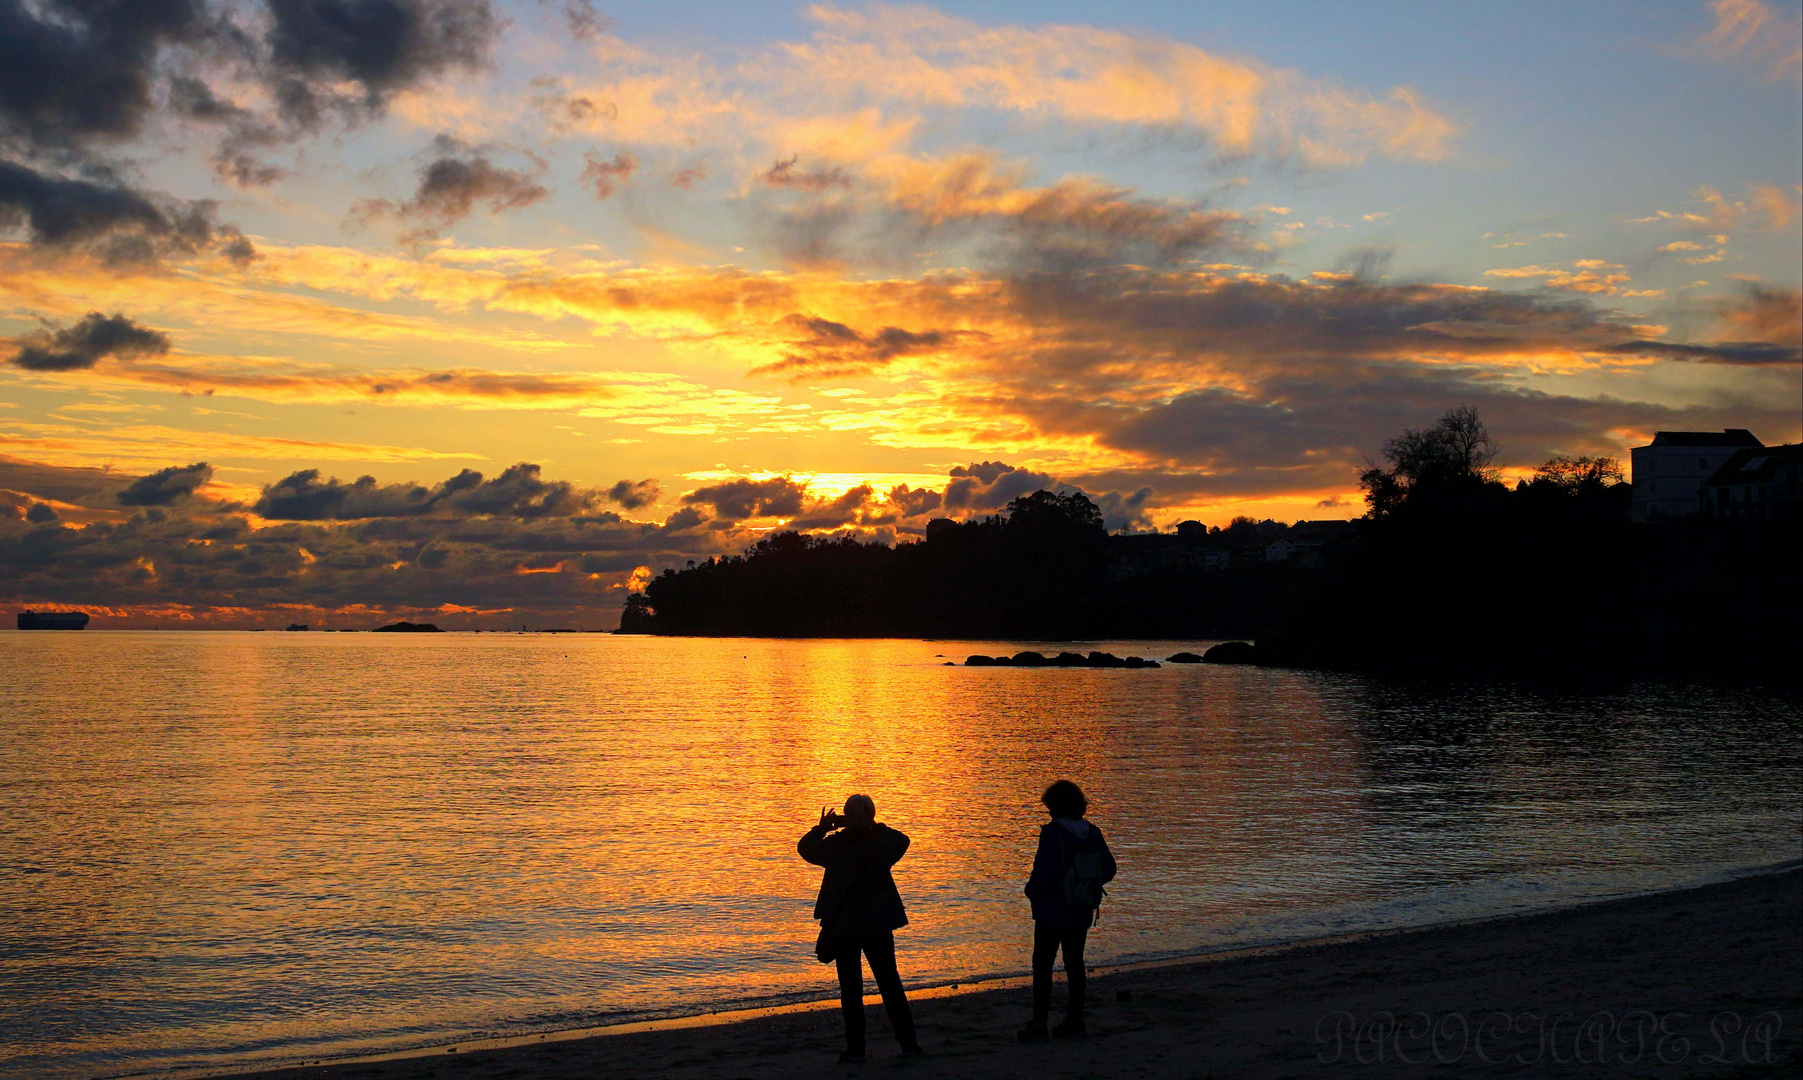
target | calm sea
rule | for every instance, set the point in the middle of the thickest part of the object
(236, 847)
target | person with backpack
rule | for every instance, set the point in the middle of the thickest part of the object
(860, 909)
(1066, 888)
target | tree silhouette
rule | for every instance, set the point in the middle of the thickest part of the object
(1578, 475)
(1433, 468)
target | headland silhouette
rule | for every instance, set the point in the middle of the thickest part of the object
(1451, 571)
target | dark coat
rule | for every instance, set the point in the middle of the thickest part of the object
(1045, 886)
(875, 905)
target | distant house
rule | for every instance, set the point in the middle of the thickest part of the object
(1280, 551)
(1763, 483)
(1144, 554)
(1669, 475)
(1308, 540)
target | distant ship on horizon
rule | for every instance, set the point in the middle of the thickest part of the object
(53, 620)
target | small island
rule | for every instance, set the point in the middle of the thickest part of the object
(408, 628)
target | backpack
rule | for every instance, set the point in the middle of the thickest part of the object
(1083, 878)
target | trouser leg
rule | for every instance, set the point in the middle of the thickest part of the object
(1074, 971)
(880, 948)
(851, 993)
(1045, 950)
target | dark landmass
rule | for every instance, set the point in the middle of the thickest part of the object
(52, 620)
(407, 628)
(1452, 573)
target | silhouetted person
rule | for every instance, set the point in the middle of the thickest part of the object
(1069, 870)
(859, 910)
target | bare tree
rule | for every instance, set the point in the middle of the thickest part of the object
(1456, 453)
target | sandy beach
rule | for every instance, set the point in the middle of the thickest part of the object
(1698, 982)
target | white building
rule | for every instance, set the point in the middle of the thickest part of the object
(1668, 475)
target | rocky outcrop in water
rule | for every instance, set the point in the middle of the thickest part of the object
(1232, 652)
(1063, 659)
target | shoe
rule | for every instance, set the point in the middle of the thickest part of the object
(1071, 1028)
(1034, 1032)
(846, 1057)
(912, 1051)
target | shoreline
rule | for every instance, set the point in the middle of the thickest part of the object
(719, 1025)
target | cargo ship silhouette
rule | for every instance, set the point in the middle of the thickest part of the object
(52, 620)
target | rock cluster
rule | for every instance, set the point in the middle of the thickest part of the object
(1063, 659)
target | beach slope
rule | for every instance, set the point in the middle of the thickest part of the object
(1694, 983)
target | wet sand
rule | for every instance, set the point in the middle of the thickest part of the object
(1701, 982)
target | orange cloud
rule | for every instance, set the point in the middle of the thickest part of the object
(1593, 276)
(859, 85)
(1754, 31)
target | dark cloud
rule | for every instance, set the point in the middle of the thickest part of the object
(607, 175)
(985, 471)
(631, 495)
(303, 496)
(1260, 386)
(827, 348)
(88, 342)
(519, 492)
(75, 77)
(1074, 225)
(971, 491)
(247, 135)
(686, 518)
(1125, 512)
(1765, 314)
(40, 514)
(909, 502)
(985, 215)
(736, 500)
(450, 187)
(583, 20)
(166, 486)
(1754, 353)
(116, 221)
(514, 568)
(787, 173)
(1281, 320)
(72, 71)
(847, 509)
(379, 47)
(195, 100)
(79, 76)
(991, 485)
(237, 165)
(67, 484)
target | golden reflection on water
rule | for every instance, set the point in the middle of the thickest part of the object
(222, 847)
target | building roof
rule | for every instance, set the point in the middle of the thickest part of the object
(1756, 465)
(1728, 437)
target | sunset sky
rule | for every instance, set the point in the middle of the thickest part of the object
(670, 275)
